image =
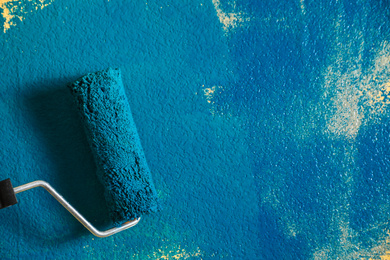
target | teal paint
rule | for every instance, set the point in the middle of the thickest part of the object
(318, 139)
(113, 138)
(241, 121)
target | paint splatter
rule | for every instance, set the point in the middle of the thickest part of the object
(230, 20)
(16, 10)
(209, 94)
(176, 252)
(171, 252)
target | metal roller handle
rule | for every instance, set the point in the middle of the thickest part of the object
(73, 211)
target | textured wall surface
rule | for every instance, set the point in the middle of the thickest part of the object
(265, 125)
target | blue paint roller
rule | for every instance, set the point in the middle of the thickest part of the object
(120, 160)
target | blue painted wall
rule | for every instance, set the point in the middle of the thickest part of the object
(265, 125)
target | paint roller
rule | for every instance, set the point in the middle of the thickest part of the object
(121, 165)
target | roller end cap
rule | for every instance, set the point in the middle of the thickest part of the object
(7, 194)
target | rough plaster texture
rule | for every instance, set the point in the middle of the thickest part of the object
(265, 124)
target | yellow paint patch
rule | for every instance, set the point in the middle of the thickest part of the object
(379, 252)
(16, 9)
(209, 94)
(386, 256)
(352, 250)
(230, 20)
(379, 99)
(303, 8)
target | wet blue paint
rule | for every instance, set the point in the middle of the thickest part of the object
(251, 175)
(278, 77)
(113, 138)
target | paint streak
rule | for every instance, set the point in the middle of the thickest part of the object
(302, 5)
(357, 98)
(230, 20)
(347, 118)
(18, 9)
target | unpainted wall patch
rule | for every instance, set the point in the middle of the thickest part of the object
(230, 20)
(17, 10)
(357, 97)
